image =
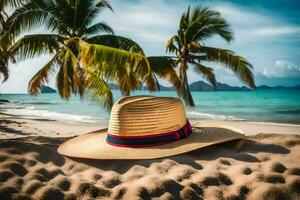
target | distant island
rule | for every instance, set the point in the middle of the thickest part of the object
(279, 87)
(203, 86)
(47, 89)
(199, 86)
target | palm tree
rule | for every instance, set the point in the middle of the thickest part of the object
(194, 28)
(5, 40)
(80, 51)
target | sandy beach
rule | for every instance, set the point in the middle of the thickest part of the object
(266, 166)
(15, 127)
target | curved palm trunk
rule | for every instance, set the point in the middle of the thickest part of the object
(184, 88)
(126, 93)
(189, 95)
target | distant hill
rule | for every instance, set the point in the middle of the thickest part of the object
(163, 88)
(47, 89)
(203, 86)
(113, 86)
(279, 87)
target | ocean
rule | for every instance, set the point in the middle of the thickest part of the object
(261, 106)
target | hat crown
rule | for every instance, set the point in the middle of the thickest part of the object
(146, 115)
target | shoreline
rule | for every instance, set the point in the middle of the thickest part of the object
(274, 108)
(12, 126)
(17, 127)
(276, 123)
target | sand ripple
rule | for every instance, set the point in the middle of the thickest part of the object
(268, 167)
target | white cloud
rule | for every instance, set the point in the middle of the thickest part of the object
(276, 31)
(282, 69)
(150, 23)
(284, 64)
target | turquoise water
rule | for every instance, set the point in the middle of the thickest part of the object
(259, 106)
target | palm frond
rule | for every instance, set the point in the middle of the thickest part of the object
(117, 42)
(11, 3)
(173, 44)
(64, 76)
(129, 70)
(164, 67)
(127, 79)
(75, 72)
(98, 28)
(183, 23)
(152, 82)
(63, 83)
(4, 71)
(239, 65)
(94, 11)
(97, 55)
(34, 45)
(70, 78)
(98, 89)
(206, 23)
(4, 58)
(31, 16)
(37, 81)
(207, 73)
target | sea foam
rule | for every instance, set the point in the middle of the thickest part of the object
(194, 114)
(31, 113)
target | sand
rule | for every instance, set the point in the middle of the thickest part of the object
(253, 128)
(266, 166)
(15, 127)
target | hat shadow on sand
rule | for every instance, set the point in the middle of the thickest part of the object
(43, 164)
(45, 150)
(239, 150)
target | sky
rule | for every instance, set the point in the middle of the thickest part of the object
(267, 34)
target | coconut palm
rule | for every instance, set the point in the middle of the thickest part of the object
(195, 27)
(5, 40)
(77, 45)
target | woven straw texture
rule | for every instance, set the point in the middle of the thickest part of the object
(143, 115)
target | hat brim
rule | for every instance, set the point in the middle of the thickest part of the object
(94, 146)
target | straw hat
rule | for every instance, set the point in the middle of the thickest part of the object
(146, 127)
